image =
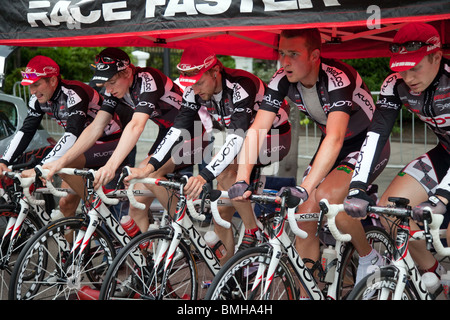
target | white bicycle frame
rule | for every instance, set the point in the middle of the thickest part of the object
(26, 203)
(181, 221)
(405, 265)
(280, 242)
(98, 211)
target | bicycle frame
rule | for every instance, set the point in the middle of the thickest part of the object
(279, 242)
(25, 203)
(181, 222)
(98, 212)
(402, 264)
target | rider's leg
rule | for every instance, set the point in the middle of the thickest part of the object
(224, 181)
(335, 188)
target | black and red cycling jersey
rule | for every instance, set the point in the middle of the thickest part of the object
(233, 109)
(152, 93)
(432, 106)
(339, 88)
(73, 106)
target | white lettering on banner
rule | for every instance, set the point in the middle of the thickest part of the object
(74, 14)
(63, 11)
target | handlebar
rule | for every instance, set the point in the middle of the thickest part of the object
(432, 222)
(158, 182)
(88, 174)
(331, 210)
(25, 183)
(260, 198)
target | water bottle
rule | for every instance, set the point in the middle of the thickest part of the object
(328, 256)
(129, 226)
(213, 241)
(445, 281)
(132, 229)
(87, 293)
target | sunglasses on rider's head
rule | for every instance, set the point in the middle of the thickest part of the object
(104, 59)
(408, 46)
(32, 75)
(190, 73)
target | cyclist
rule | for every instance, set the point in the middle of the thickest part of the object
(231, 98)
(73, 105)
(421, 82)
(135, 94)
(335, 97)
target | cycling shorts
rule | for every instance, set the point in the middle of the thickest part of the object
(348, 157)
(429, 168)
(99, 153)
(189, 150)
(276, 145)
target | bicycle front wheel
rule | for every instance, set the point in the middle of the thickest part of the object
(379, 240)
(236, 279)
(380, 286)
(10, 250)
(133, 274)
(47, 268)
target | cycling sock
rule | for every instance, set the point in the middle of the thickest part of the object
(369, 257)
(437, 268)
(367, 264)
(254, 232)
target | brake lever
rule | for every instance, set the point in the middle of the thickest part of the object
(322, 213)
(206, 193)
(426, 229)
(125, 172)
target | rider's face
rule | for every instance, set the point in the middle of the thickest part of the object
(297, 61)
(207, 85)
(44, 88)
(420, 77)
(119, 84)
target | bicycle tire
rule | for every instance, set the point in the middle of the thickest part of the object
(59, 274)
(380, 285)
(126, 281)
(380, 240)
(9, 252)
(235, 279)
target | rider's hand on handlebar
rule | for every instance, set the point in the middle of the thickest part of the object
(434, 204)
(295, 195)
(29, 173)
(357, 202)
(240, 190)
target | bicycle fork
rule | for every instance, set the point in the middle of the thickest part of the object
(274, 260)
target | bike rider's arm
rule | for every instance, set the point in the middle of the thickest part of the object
(443, 189)
(85, 141)
(78, 106)
(253, 142)
(244, 104)
(387, 108)
(184, 120)
(329, 149)
(128, 140)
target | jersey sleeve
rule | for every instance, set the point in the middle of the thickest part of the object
(341, 84)
(387, 109)
(22, 138)
(183, 121)
(276, 91)
(245, 101)
(78, 105)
